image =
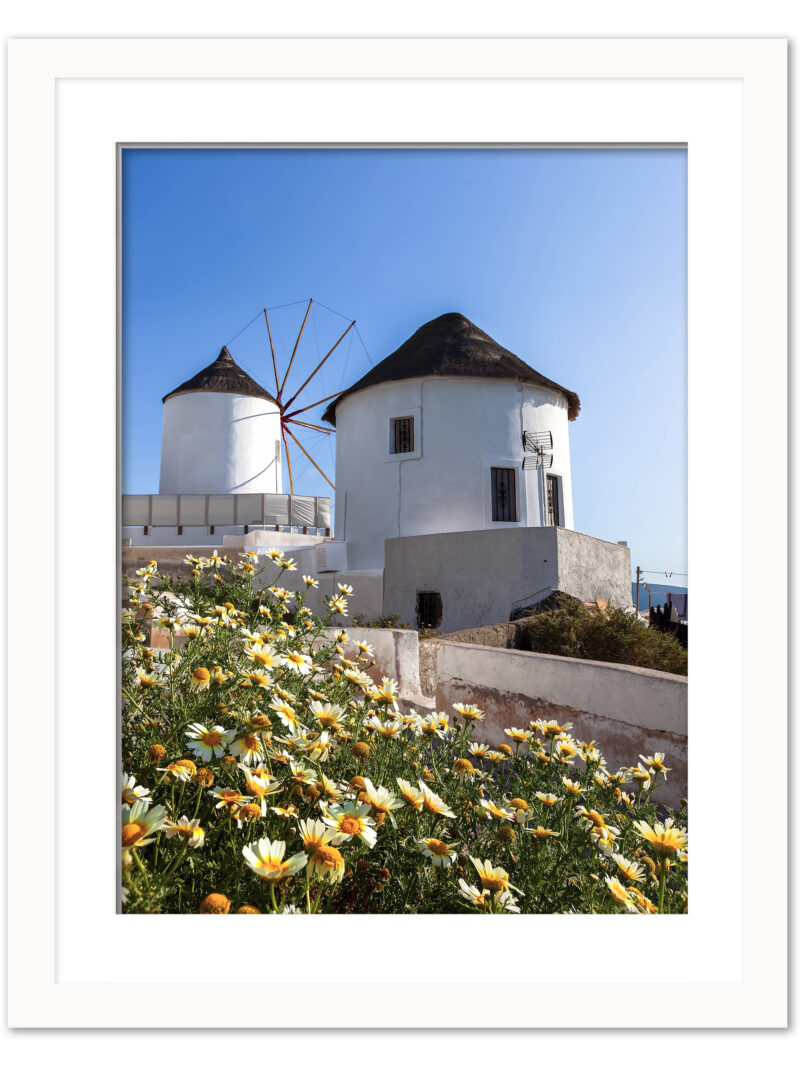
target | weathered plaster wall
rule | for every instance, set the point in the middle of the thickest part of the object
(628, 711)
(589, 568)
(482, 575)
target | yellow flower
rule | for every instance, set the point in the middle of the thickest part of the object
(326, 862)
(494, 880)
(665, 839)
(215, 904)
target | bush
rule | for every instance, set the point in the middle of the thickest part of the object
(612, 636)
(263, 770)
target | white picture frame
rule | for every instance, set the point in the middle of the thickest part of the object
(71, 103)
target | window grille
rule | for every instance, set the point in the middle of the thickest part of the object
(504, 494)
(403, 435)
(429, 609)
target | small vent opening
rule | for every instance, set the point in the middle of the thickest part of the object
(429, 610)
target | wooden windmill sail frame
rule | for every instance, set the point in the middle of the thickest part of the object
(288, 414)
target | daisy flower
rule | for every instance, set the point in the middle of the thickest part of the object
(264, 657)
(338, 605)
(620, 894)
(248, 748)
(227, 798)
(438, 851)
(656, 763)
(298, 663)
(189, 830)
(478, 750)
(351, 820)
(207, 743)
(139, 823)
(385, 693)
(494, 880)
(147, 680)
(433, 804)
(258, 678)
(327, 715)
(631, 871)
(516, 733)
(468, 711)
(326, 861)
(550, 728)
(312, 583)
(265, 857)
(540, 834)
(381, 798)
(200, 679)
(364, 648)
(548, 799)
(286, 712)
(666, 839)
(573, 789)
(411, 795)
(495, 812)
(131, 792)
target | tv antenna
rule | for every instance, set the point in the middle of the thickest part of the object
(539, 448)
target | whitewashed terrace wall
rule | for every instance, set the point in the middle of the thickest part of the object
(628, 711)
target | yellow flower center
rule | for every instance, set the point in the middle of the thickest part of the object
(437, 847)
(211, 738)
(132, 832)
(350, 824)
(329, 857)
(251, 742)
(200, 674)
(463, 766)
(494, 882)
(249, 811)
(595, 818)
(273, 866)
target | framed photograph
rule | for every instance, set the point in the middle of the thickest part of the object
(75, 105)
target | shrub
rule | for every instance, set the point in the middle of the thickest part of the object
(612, 636)
(264, 771)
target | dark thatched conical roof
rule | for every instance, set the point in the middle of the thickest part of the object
(452, 346)
(224, 375)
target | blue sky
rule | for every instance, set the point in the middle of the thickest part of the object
(574, 259)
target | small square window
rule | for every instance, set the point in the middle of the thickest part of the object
(504, 494)
(401, 438)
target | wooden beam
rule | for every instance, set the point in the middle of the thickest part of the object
(321, 471)
(294, 350)
(291, 414)
(311, 375)
(272, 350)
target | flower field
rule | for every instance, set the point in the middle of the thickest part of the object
(263, 770)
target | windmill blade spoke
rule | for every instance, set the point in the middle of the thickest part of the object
(308, 457)
(288, 459)
(319, 365)
(310, 425)
(294, 350)
(272, 350)
(299, 411)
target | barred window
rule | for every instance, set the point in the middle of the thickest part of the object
(402, 435)
(504, 494)
(553, 506)
(429, 609)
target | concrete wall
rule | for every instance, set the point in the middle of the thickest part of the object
(483, 575)
(220, 443)
(462, 428)
(628, 711)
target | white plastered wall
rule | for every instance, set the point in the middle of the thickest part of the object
(220, 443)
(463, 427)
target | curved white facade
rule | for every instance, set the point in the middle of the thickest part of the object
(220, 443)
(463, 427)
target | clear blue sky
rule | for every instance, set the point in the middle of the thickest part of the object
(573, 259)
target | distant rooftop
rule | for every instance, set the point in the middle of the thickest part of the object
(224, 375)
(452, 346)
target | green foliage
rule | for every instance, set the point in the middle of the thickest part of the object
(611, 636)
